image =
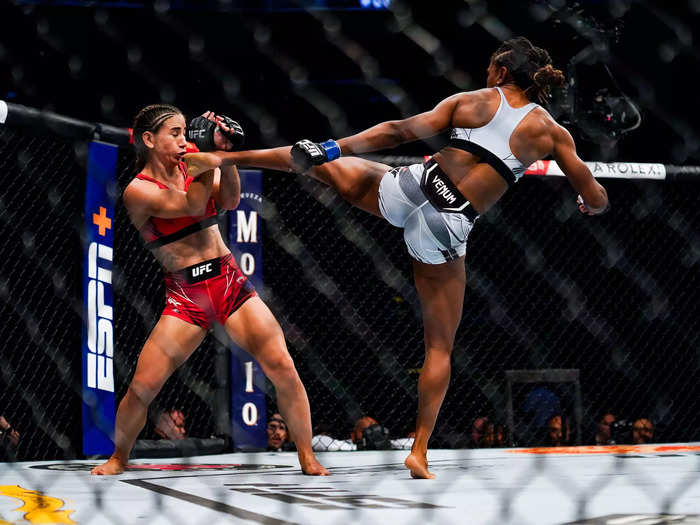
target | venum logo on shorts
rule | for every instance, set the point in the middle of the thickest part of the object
(100, 332)
(441, 190)
(174, 302)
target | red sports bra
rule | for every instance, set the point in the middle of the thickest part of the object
(157, 232)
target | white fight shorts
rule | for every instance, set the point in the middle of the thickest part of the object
(432, 236)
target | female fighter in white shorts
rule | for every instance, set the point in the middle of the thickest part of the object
(496, 133)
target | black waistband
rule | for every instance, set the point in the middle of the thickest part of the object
(486, 156)
(201, 271)
(442, 193)
(187, 230)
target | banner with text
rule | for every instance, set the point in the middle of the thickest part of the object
(248, 407)
(98, 408)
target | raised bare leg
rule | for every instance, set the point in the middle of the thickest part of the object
(255, 329)
(441, 291)
(169, 345)
(355, 179)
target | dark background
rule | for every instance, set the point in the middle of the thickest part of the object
(613, 296)
(291, 73)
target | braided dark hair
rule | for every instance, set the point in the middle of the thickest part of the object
(150, 118)
(529, 66)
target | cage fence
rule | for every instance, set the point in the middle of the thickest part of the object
(612, 299)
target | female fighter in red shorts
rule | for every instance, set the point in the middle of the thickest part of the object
(172, 204)
(495, 134)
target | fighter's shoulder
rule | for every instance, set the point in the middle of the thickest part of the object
(477, 95)
(139, 191)
(548, 123)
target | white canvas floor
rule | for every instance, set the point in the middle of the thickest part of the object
(592, 485)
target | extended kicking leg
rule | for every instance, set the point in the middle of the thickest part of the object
(356, 180)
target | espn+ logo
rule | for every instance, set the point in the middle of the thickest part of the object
(100, 331)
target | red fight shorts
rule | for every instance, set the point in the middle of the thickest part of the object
(207, 291)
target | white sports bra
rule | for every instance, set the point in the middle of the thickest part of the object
(491, 142)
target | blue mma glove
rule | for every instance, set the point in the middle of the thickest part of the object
(306, 153)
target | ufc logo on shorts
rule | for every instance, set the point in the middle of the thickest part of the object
(100, 341)
(201, 270)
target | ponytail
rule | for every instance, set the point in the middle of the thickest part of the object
(530, 67)
(542, 81)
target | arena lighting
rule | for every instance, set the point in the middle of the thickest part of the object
(375, 4)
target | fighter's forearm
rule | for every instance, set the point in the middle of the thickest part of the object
(199, 192)
(274, 159)
(386, 135)
(229, 188)
(596, 200)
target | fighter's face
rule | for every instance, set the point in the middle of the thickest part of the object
(169, 141)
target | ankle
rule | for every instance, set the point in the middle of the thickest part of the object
(116, 457)
(419, 449)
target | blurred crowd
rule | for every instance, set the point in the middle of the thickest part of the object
(548, 429)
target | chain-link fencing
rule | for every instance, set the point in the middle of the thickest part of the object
(564, 315)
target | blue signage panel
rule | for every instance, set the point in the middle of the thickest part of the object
(248, 407)
(98, 314)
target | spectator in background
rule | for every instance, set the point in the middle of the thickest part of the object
(9, 439)
(558, 431)
(367, 434)
(540, 405)
(360, 425)
(642, 431)
(277, 435)
(602, 436)
(170, 424)
(486, 434)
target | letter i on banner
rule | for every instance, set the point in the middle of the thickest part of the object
(248, 407)
(98, 301)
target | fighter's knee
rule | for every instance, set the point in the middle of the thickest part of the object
(438, 348)
(280, 366)
(143, 390)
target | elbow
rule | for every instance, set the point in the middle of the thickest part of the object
(196, 210)
(399, 133)
(231, 204)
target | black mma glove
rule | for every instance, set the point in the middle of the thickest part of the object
(201, 131)
(306, 153)
(235, 134)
